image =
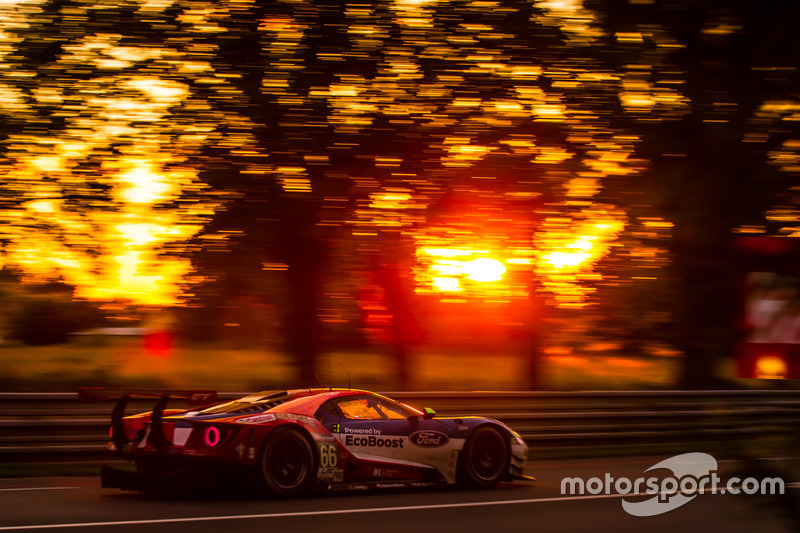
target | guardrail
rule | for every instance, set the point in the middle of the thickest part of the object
(56, 427)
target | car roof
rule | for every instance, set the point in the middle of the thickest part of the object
(307, 401)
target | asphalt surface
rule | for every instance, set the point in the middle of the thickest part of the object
(79, 504)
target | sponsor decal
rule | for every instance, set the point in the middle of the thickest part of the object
(324, 437)
(385, 472)
(373, 442)
(428, 439)
(310, 420)
(336, 428)
(390, 485)
(201, 397)
(330, 474)
(240, 449)
(258, 419)
(362, 431)
(269, 417)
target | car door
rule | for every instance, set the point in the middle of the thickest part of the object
(388, 437)
(371, 428)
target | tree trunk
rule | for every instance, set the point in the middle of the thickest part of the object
(304, 254)
(398, 289)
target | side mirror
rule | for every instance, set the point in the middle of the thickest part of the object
(427, 414)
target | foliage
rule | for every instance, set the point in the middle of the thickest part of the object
(330, 164)
(48, 314)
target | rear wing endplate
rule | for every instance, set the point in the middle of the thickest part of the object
(157, 437)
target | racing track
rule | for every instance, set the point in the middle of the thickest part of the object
(78, 504)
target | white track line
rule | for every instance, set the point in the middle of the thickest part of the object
(307, 513)
(338, 511)
(21, 489)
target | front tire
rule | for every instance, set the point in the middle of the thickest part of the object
(485, 458)
(287, 463)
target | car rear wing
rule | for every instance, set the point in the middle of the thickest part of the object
(192, 397)
(157, 437)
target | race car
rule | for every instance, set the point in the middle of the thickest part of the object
(296, 441)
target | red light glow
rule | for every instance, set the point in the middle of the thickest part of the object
(211, 436)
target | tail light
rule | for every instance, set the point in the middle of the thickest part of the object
(771, 367)
(212, 436)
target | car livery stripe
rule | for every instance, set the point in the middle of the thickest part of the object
(181, 435)
(396, 449)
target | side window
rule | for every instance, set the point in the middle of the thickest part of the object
(390, 412)
(328, 412)
(329, 408)
(372, 408)
(359, 409)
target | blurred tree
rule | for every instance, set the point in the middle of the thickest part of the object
(98, 141)
(42, 314)
(710, 169)
(285, 120)
(290, 147)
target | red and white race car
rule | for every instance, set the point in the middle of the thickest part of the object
(296, 441)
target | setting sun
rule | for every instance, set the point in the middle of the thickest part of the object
(484, 269)
(447, 284)
(471, 272)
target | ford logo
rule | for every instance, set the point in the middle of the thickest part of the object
(428, 439)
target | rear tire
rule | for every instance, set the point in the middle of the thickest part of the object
(287, 463)
(484, 461)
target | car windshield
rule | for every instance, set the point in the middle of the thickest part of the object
(370, 408)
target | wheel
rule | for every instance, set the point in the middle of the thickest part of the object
(484, 460)
(287, 463)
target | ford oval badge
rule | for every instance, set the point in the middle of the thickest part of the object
(428, 439)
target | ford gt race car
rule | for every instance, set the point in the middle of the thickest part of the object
(296, 441)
